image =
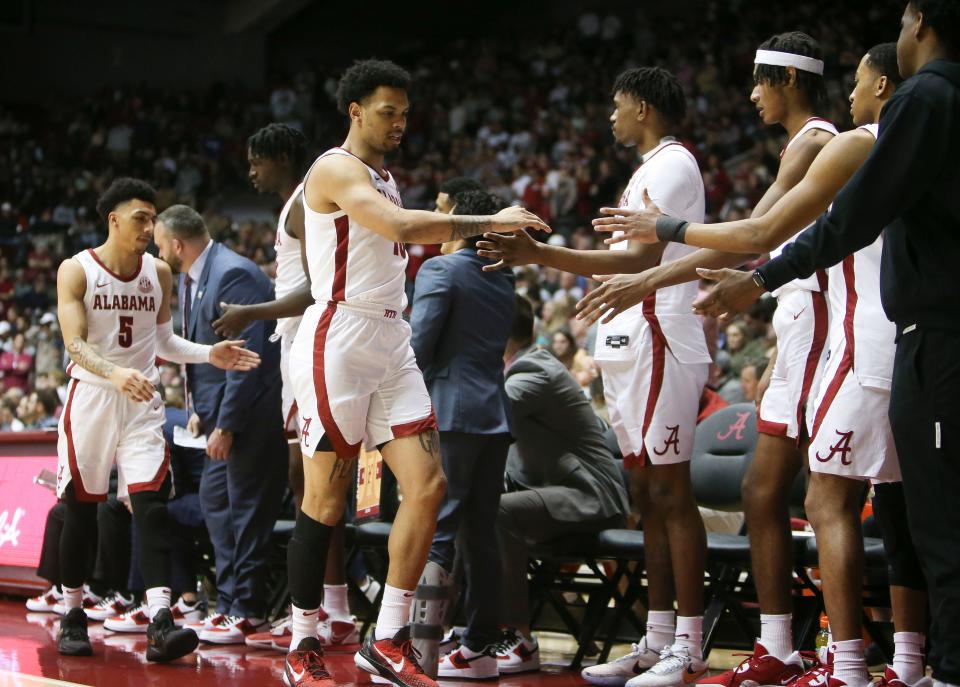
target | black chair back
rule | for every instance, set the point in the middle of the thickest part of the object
(722, 449)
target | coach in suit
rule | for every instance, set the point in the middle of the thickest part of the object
(245, 473)
(561, 477)
(461, 320)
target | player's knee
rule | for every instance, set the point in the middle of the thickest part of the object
(428, 492)
(669, 498)
(324, 507)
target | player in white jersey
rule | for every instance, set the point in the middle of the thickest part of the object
(354, 373)
(277, 155)
(654, 362)
(113, 303)
(788, 88)
(851, 440)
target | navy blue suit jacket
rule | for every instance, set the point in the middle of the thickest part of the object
(461, 320)
(226, 399)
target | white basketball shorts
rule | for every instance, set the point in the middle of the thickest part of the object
(291, 415)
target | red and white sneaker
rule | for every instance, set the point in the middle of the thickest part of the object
(759, 669)
(339, 633)
(187, 615)
(891, 679)
(134, 620)
(462, 663)
(111, 606)
(517, 654)
(89, 601)
(233, 630)
(264, 640)
(818, 676)
(393, 659)
(201, 624)
(46, 602)
(304, 666)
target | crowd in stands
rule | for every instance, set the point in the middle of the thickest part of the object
(528, 119)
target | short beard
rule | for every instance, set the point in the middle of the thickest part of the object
(174, 263)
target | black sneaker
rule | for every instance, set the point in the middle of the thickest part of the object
(166, 641)
(72, 639)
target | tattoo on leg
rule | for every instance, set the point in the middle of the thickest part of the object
(341, 469)
(430, 442)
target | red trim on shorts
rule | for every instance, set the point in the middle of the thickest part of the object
(340, 446)
(634, 460)
(70, 368)
(410, 429)
(157, 481)
(114, 274)
(846, 362)
(79, 492)
(656, 376)
(342, 223)
(816, 350)
(774, 429)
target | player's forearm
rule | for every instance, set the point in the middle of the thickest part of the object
(176, 349)
(420, 226)
(84, 355)
(293, 304)
(590, 262)
(742, 236)
(685, 270)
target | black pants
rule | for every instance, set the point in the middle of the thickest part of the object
(925, 416)
(108, 563)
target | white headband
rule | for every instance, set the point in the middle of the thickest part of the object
(788, 59)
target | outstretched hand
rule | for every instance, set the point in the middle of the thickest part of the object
(636, 225)
(616, 294)
(231, 355)
(233, 320)
(733, 293)
(516, 219)
(509, 250)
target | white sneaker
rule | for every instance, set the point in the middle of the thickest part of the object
(282, 627)
(517, 654)
(449, 643)
(615, 673)
(211, 621)
(370, 588)
(46, 602)
(675, 668)
(111, 606)
(185, 615)
(89, 601)
(462, 663)
(233, 630)
(134, 620)
(338, 632)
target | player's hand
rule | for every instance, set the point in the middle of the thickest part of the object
(616, 293)
(132, 384)
(509, 250)
(636, 225)
(233, 321)
(733, 293)
(516, 218)
(219, 444)
(193, 425)
(231, 355)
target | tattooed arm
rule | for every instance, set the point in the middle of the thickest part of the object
(338, 182)
(72, 313)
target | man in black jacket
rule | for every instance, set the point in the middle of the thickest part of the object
(909, 188)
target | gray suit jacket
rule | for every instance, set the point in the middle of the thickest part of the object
(461, 320)
(560, 441)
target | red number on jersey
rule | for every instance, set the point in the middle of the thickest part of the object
(126, 331)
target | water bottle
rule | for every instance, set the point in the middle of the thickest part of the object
(823, 640)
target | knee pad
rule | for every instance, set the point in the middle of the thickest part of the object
(434, 594)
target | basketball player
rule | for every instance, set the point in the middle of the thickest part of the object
(113, 303)
(789, 89)
(851, 439)
(654, 364)
(277, 154)
(354, 373)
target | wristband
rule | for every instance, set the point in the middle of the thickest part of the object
(671, 229)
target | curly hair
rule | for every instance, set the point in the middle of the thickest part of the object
(797, 43)
(275, 140)
(657, 87)
(120, 191)
(363, 78)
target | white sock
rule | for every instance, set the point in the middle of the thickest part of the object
(849, 663)
(394, 612)
(776, 634)
(303, 625)
(72, 597)
(690, 634)
(661, 626)
(335, 601)
(157, 599)
(908, 656)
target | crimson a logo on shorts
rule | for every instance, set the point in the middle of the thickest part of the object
(145, 285)
(842, 447)
(672, 440)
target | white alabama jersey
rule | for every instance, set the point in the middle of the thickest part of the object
(348, 262)
(290, 274)
(671, 176)
(858, 326)
(810, 283)
(121, 316)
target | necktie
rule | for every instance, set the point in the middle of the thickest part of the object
(185, 303)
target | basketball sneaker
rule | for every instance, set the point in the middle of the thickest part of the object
(891, 679)
(450, 641)
(759, 668)
(233, 630)
(370, 588)
(187, 614)
(304, 666)
(110, 606)
(675, 667)
(466, 664)
(166, 641)
(615, 673)
(516, 653)
(212, 620)
(46, 602)
(72, 640)
(264, 640)
(819, 675)
(394, 659)
(134, 620)
(89, 601)
(338, 632)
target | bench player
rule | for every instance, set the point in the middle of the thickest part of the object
(113, 303)
(354, 373)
